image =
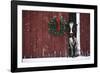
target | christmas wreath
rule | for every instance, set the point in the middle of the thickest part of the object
(57, 25)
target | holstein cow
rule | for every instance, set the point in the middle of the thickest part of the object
(72, 40)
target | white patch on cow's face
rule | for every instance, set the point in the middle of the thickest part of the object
(71, 26)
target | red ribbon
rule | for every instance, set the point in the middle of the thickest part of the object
(58, 24)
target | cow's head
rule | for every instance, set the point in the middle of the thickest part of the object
(71, 28)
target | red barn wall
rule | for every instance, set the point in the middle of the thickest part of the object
(37, 42)
(85, 33)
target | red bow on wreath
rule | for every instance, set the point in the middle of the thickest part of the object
(58, 24)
